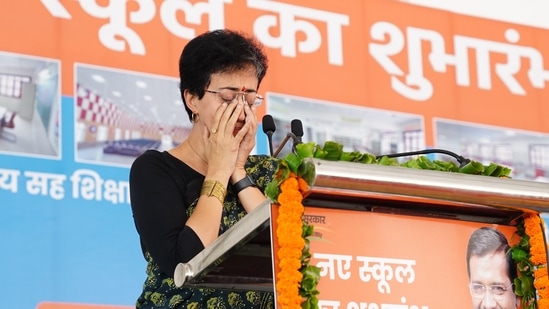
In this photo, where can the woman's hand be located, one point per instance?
(221, 146)
(249, 139)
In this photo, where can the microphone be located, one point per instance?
(297, 130)
(461, 160)
(295, 135)
(269, 128)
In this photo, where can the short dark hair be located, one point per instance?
(216, 52)
(487, 240)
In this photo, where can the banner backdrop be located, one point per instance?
(86, 86)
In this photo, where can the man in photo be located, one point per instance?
(491, 270)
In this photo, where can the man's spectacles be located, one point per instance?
(479, 290)
(228, 96)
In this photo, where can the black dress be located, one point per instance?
(164, 192)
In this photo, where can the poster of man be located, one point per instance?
(491, 270)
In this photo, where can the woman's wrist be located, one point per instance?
(243, 183)
(220, 175)
(238, 175)
(214, 188)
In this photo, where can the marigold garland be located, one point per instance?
(531, 257)
(296, 279)
(288, 232)
(538, 257)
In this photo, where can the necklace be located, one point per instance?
(196, 152)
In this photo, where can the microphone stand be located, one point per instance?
(284, 141)
(270, 141)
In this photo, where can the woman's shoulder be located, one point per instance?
(155, 158)
(150, 155)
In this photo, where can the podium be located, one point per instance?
(242, 258)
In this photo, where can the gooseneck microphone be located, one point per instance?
(269, 129)
(461, 160)
(295, 135)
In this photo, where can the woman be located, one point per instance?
(184, 198)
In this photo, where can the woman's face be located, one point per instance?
(239, 81)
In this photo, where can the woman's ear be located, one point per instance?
(191, 101)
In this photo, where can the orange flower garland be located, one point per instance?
(538, 257)
(289, 230)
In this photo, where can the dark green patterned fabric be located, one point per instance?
(159, 290)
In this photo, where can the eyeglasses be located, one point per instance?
(479, 290)
(226, 95)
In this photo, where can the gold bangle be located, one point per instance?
(214, 188)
